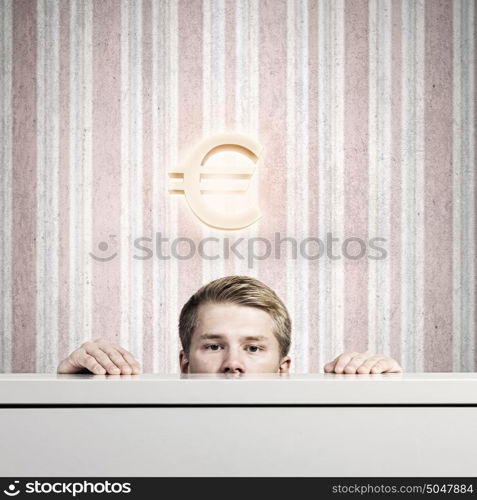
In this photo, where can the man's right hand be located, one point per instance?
(100, 357)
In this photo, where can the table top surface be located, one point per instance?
(20, 389)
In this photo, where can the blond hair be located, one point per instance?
(240, 290)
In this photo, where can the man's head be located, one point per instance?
(234, 324)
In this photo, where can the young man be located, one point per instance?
(234, 325)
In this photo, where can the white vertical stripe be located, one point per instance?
(246, 107)
(242, 72)
(6, 186)
(173, 141)
(325, 346)
(136, 173)
(165, 139)
(291, 166)
(206, 66)
(419, 197)
(463, 161)
(213, 98)
(87, 278)
(297, 172)
(412, 185)
(207, 107)
(47, 185)
(253, 108)
(407, 183)
(372, 167)
(74, 303)
(337, 169)
(125, 252)
(80, 173)
(301, 318)
(53, 160)
(246, 65)
(241, 86)
(380, 153)
(216, 107)
(457, 201)
(331, 164)
(41, 133)
(159, 48)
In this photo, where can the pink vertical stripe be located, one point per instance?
(438, 195)
(475, 167)
(63, 183)
(148, 284)
(313, 186)
(106, 168)
(356, 172)
(190, 133)
(24, 186)
(394, 246)
(273, 137)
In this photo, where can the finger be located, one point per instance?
(82, 359)
(329, 367)
(117, 358)
(358, 360)
(397, 368)
(103, 358)
(133, 362)
(386, 365)
(369, 363)
(343, 360)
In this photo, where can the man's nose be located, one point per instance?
(233, 364)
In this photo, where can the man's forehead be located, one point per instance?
(233, 320)
(232, 312)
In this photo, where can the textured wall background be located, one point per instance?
(366, 113)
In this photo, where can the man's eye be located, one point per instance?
(213, 347)
(253, 348)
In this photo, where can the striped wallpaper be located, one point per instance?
(366, 113)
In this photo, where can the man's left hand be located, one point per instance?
(362, 362)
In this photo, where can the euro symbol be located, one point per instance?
(195, 178)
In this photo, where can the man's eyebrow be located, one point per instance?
(256, 338)
(211, 336)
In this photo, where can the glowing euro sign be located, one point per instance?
(195, 178)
